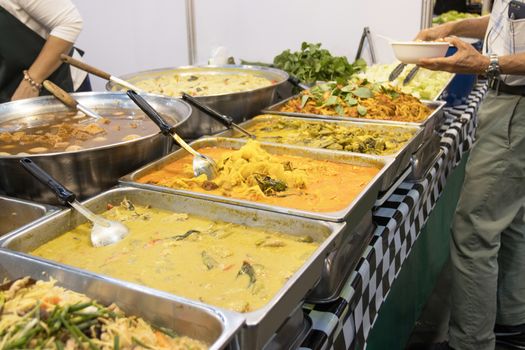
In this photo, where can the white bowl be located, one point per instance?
(412, 51)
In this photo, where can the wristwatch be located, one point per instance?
(494, 69)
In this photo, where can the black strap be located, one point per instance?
(499, 86)
(19, 47)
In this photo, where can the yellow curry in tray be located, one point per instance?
(378, 140)
(223, 264)
(253, 174)
(202, 84)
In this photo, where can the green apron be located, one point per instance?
(19, 47)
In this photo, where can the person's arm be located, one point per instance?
(469, 60)
(471, 28)
(64, 23)
(45, 64)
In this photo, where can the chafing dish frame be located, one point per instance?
(260, 324)
(401, 158)
(185, 317)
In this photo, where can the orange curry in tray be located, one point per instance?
(251, 173)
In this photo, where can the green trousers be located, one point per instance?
(488, 231)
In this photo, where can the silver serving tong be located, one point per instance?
(411, 75)
(396, 71)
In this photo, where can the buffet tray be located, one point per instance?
(237, 105)
(352, 214)
(216, 327)
(425, 157)
(16, 213)
(260, 324)
(401, 159)
(342, 261)
(431, 123)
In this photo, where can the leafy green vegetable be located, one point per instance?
(361, 110)
(363, 92)
(247, 269)
(312, 64)
(304, 99)
(451, 16)
(270, 186)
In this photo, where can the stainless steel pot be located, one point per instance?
(90, 171)
(240, 105)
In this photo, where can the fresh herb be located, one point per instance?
(184, 235)
(312, 64)
(270, 186)
(247, 269)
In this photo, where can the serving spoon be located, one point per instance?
(68, 100)
(104, 231)
(202, 164)
(225, 120)
(98, 72)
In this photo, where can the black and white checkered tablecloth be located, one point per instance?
(346, 322)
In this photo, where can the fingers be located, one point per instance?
(440, 63)
(457, 42)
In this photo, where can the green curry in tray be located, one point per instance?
(377, 140)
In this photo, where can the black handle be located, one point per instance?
(165, 128)
(226, 121)
(62, 193)
(296, 82)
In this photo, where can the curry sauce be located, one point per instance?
(228, 265)
(253, 174)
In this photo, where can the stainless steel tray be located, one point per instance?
(216, 327)
(401, 159)
(292, 332)
(238, 105)
(439, 95)
(432, 122)
(351, 214)
(16, 213)
(86, 172)
(260, 324)
(341, 262)
(424, 158)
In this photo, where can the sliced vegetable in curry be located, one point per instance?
(368, 139)
(251, 173)
(228, 265)
(42, 315)
(359, 98)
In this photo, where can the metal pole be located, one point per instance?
(427, 10)
(190, 29)
(486, 7)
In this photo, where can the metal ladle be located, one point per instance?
(104, 231)
(202, 164)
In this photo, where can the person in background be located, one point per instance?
(488, 230)
(443, 6)
(33, 34)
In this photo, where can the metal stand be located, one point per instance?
(366, 36)
(427, 11)
(190, 29)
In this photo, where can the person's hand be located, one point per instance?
(435, 33)
(24, 90)
(466, 60)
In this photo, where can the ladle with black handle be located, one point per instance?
(202, 164)
(225, 120)
(104, 231)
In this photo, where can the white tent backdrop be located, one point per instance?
(127, 36)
